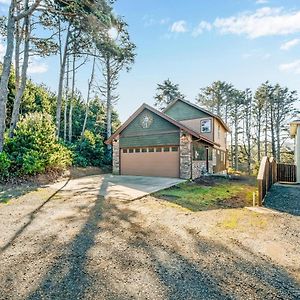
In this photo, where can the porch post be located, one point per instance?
(207, 159)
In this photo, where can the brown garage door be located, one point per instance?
(151, 161)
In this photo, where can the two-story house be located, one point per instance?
(183, 141)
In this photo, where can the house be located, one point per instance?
(295, 133)
(183, 141)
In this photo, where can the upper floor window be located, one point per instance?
(205, 126)
(219, 131)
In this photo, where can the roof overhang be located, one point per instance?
(162, 115)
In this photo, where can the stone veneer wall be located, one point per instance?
(116, 156)
(199, 167)
(185, 155)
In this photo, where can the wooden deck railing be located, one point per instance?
(270, 172)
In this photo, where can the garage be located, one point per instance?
(150, 143)
(160, 161)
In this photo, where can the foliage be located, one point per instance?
(167, 92)
(258, 120)
(5, 164)
(89, 151)
(34, 147)
(217, 97)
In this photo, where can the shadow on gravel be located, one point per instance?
(68, 278)
(31, 217)
(203, 269)
(284, 198)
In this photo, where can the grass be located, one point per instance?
(221, 193)
(243, 220)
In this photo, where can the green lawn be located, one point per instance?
(221, 193)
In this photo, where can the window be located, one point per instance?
(205, 126)
(158, 149)
(166, 149)
(199, 152)
(219, 131)
(144, 149)
(131, 150)
(137, 150)
(124, 150)
(151, 150)
(174, 149)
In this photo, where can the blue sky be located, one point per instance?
(196, 42)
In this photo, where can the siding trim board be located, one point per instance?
(148, 133)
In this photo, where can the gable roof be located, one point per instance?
(200, 109)
(162, 115)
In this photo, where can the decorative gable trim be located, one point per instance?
(162, 115)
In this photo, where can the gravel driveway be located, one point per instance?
(72, 244)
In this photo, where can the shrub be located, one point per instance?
(32, 163)
(5, 163)
(89, 150)
(34, 147)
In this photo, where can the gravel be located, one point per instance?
(285, 198)
(72, 244)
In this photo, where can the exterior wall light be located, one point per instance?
(184, 137)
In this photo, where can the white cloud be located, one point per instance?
(202, 26)
(256, 54)
(293, 67)
(164, 21)
(179, 26)
(265, 21)
(288, 45)
(261, 1)
(37, 67)
(151, 21)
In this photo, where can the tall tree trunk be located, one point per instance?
(21, 89)
(278, 154)
(61, 81)
(278, 126)
(88, 96)
(259, 136)
(248, 120)
(236, 138)
(72, 98)
(6, 71)
(66, 101)
(266, 130)
(17, 52)
(272, 131)
(231, 148)
(108, 102)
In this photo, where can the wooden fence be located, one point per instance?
(286, 173)
(271, 172)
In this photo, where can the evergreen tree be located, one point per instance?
(167, 92)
